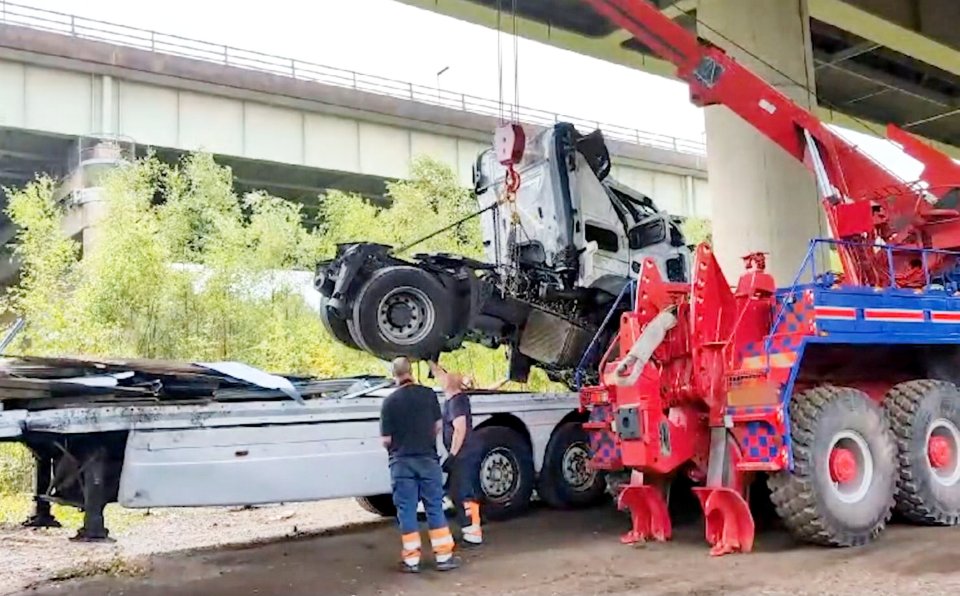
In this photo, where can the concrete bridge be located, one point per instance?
(289, 127)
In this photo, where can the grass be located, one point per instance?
(16, 469)
(16, 508)
(115, 567)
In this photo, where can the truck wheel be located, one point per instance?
(841, 490)
(566, 479)
(505, 472)
(925, 416)
(336, 326)
(378, 505)
(401, 311)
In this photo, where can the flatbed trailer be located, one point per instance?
(272, 451)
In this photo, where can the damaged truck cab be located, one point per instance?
(557, 256)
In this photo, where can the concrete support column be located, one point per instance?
(106, 105)
(84, 213)
(762, 199)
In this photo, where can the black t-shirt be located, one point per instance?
(408, 416)
(453, 408)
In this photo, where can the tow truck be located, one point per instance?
(838, 390)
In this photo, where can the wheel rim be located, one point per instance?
(850, 464)
(575, 467)
(498, 474)
(943, 440)
(405, 316)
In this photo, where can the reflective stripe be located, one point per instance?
(473, 512)
(474, 529)
(443, 557)
(442, 543)
(411, 548)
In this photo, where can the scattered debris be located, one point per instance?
(36, 383)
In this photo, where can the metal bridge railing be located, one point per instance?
(83, 28)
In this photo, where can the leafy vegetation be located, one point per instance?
(697, 230)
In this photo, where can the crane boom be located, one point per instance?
(864, 202)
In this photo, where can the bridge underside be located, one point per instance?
(876, 60)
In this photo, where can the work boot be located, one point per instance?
(404, 568)
(449, 565)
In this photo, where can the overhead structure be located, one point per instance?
(878, 60)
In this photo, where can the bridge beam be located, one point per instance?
(763, 200)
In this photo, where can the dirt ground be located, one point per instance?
(550, 553)
(30, 556)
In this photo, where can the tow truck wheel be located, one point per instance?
(401, 311)
(841, 490)
(566, 480)
(504, 476)
(336, 326)
(378, 505)
(925, 416)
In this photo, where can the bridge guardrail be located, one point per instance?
(83, 28)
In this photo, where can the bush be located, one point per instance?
(16, 469)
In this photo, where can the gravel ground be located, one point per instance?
(549, 553)
(31, 556)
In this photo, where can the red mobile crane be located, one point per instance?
(841, 390)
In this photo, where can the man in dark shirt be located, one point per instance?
(462, 461)
(409, 424)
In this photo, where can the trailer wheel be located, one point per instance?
(841, 490)
(504, 476)
(336, 326)
(566, 479)
(378, 505)
(401, 311)
(925, 416)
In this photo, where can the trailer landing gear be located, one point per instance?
(42, 515)
(93, 481)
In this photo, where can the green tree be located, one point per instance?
(697, 230)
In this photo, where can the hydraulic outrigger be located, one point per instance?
(839, 389)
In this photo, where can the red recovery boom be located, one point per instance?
(864, 202)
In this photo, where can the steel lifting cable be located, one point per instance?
(512, 177)
(435, 233)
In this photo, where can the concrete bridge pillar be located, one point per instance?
(82, 191)
(762, 199)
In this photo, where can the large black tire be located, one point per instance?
(401, 311)
(566, 481)
(812, 506)
(917, 409)
(336, 326)
(505, 474)
(378, 505)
